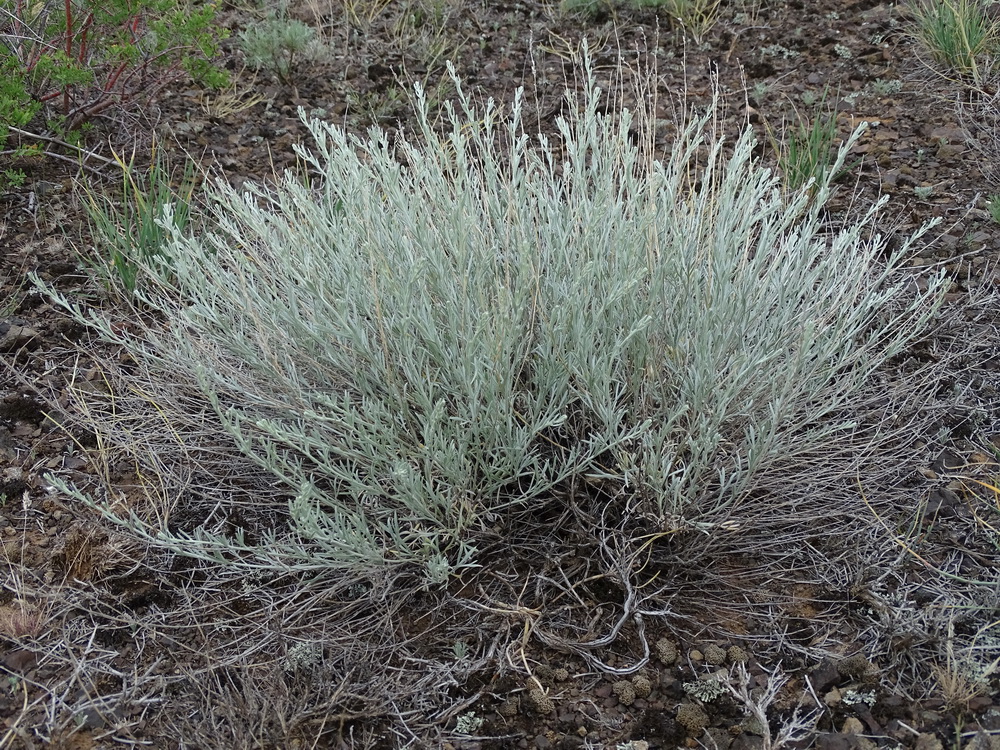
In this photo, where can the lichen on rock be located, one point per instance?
(706, 689)
(855, 666)
(643, 687)
(540, 702)
(667, 651)
(714, 654)
(625, 692)
(736, 655)
(693, 718)
(509, 708)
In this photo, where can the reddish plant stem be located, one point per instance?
(68, 4)
(81, 57)
(120, 80)
(123, 83)
(113, 78)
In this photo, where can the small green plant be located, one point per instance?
(993, 206)
(238, 96)
(778, 50)
(17, 109)
(12, 177)
(8, 306)
(923, 192)
(747, 12)
(883, 87)
(695, 17)
(279, 45)
(432, 14)
(378, 105)
(759, 91)
(128, 231)
(63, 64)
(960, 35)
(809, 149)
(425, 35)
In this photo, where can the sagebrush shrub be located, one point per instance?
(279, 44)
(430, 335)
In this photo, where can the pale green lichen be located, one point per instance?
(777, 50)
(303, 656)
(468, 723)
(854, 697)
(705, 690)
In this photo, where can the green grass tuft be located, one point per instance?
(960, 35)
(128, 230)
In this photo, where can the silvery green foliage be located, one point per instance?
(277, 43)
(436, 332)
